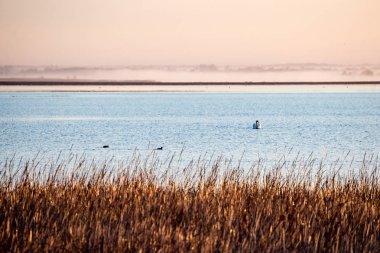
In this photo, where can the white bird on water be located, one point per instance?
(256, 125)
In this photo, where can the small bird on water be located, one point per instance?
(256, 125)
(160, 148)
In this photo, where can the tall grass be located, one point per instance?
(146, 205)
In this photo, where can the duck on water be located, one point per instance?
(256, 125)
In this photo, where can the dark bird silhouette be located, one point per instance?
(160, 148)
(106, 146)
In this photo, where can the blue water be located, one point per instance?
(213, 123)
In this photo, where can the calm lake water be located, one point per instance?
(213, 123)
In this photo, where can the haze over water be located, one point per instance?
(189, 41)
(197, 73)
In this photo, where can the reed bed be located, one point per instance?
(146, 205)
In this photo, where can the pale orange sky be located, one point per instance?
(170, 32)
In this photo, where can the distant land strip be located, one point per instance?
(152, 83)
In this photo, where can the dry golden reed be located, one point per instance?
(145, 206)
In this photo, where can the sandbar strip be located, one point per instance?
(255, 88)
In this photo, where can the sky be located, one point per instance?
(183, 32)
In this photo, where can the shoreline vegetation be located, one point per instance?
(22, 85)
(145, 204)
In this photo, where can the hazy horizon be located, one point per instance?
(197, 73)
(169, 32)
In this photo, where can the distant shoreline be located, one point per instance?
(137, 82)
(14, 85)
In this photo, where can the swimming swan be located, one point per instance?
(256, 125)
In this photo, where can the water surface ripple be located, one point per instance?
(221, 123)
